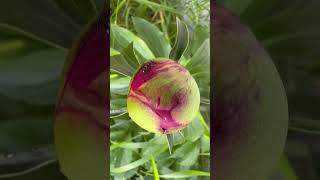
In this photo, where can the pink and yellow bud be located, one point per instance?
(163, 96)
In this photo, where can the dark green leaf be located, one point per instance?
(25, 161)
(24, 132)
(80, 11)
(182, 41)
(40, 20)
(129, 54)
(236, 6)
(119, 64)
(32, 77)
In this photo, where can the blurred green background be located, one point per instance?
(35, 36)
(290, 31)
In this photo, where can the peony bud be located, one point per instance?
(163, 96)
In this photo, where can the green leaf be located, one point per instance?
(194, 130)
(170, 142)
(154, 38)
(32, 77)
(117, 135)
(182, 41)
(121, 38)
(117, 112)
(128, 145)
(19, 163)
(80, 11)
(197, 36)
(12, 46)
(185, 174)
(50, 171)
(40, 20)
(236, 6)
(290, 34)
(22, 133)
(187, 154)
(191, 156)
(286, 169)
(136, 163)
(119, 64)
(118, 107)
(130, 166)
(200, 62)
(205, 144)
(257, 10)
(29, 170)
(303, 130)
(204, 123)
(119, 85)
(129, 54)
(294, 22)
(114, 52)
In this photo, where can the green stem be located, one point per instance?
(302, 130)
(119, 6)
(286, 169)
(11, 175)
(207, 129)
(155, 169)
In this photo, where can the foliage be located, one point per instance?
(135, 152)
(289, 30)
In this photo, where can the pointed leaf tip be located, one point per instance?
(182, 41)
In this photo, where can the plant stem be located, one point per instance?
(11, 175)
(155, 168)
(207, 130)
(302, 130)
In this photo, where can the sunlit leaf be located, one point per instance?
(121, 38)
(154, 38)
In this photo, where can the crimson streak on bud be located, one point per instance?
(163, 96)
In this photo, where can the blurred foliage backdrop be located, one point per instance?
(290, 31)
(35, 36)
